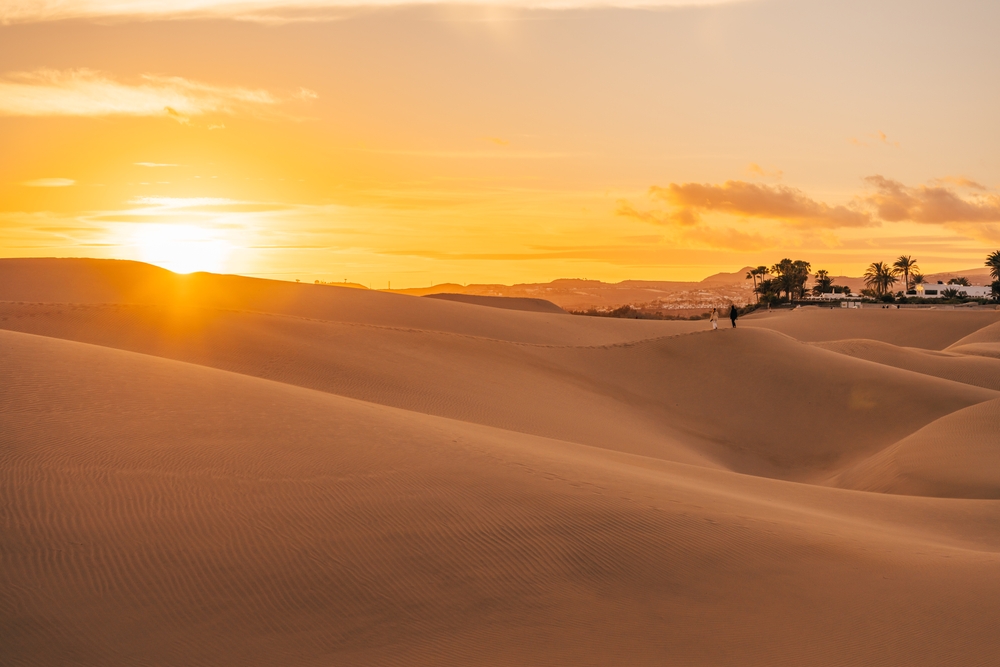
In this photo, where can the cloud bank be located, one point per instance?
(83, 92)
(976, 214)
(936, 204)
(26, 11)
(754, 200)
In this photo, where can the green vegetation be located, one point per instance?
(907, 266)
(785, 281)
(879, 278)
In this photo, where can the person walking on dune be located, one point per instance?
(733, 314)
(714, 319)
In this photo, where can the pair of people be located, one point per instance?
(733, 314)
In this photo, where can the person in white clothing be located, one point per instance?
(714, 319)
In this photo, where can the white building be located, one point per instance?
(931, 291)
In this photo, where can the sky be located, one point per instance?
(500, 141)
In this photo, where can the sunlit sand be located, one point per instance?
(203, 469)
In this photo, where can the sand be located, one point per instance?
(284, 474)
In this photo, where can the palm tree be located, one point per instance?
(824, 283)
(753, 274)
(993, 261)
(802, 269)
(906, 265)
(917, 279)
(880, 277)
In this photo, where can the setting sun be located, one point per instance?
(181, 248)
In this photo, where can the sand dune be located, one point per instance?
(949, 365)
(657, 398)
(988, 350)
(218, 470)
(957, 456)
(164, 513)
(927, 329)
(987, 334)
(984, 342)
(83, 281)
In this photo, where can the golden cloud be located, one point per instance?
(84, 92)
(894, 202)
(49, 183)
(752, 200)
(961, 182)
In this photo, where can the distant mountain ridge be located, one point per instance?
(719, 289)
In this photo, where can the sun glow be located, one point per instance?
(182, 248)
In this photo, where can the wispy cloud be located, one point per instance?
(754, 169)
(961, 182)
(728, 238)
(83, 92)
(474, 154)
(49, 183)
(21, 11)
(878, 137)
(155, 164)
(683, 217)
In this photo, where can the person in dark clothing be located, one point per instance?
(733, 314)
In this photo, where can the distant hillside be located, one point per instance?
(505, 302)
(579, 294)
(977, 276)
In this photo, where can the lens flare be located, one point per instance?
(182, 248)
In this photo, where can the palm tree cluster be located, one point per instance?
(881, 276)
(789, 277)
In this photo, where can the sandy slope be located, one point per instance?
(164, 513)
(658, 398)
(949, 364)
(87, 281)
(927, 329)
(982, 343)
(216, 470)
(956, 456)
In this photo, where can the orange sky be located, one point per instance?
(501, 142)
